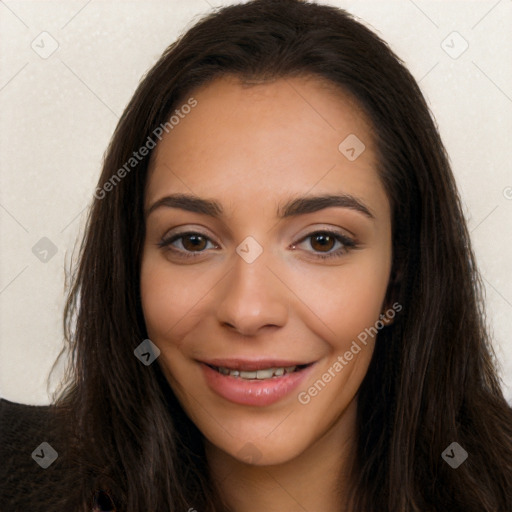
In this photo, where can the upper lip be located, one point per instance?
(253, 364)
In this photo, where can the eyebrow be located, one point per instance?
(293, 207)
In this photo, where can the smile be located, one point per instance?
(267, 373)
(252, 386)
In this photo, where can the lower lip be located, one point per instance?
(253, 392)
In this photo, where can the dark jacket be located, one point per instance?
(30, 471)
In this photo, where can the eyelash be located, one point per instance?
(348, 244)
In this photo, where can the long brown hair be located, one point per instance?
(432, 379)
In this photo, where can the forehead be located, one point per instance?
(266, 140)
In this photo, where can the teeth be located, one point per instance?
(248, 375)
(267, 373)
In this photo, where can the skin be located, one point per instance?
(252, 148)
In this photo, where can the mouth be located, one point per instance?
(254, 383)
(271, 372)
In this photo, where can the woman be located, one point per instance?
(277, 305)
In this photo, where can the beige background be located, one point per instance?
(59, 111)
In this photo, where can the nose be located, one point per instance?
(252, 298)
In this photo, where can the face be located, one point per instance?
(249, 275)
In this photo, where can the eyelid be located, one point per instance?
(327, 228)
(335, 234)
(187, 230)
(166, 240)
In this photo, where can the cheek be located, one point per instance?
(159, 300)
(169, 298)
(349, 299)
(162, 303)
(170, 306)
(350, 306)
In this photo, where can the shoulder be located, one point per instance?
(30, 451)
(34, 466)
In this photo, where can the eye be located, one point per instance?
(324, 241)
(191, 242)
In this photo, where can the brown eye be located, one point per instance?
(187, 244)
(322, 242)
(192, 242)
(326, 244)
